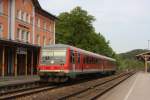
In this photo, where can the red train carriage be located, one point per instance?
(60, 62)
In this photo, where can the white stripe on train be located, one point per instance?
(85, 70)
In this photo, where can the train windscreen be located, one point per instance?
(53, 57)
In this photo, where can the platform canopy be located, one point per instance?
(144, 57)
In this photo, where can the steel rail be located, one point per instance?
(75, 95)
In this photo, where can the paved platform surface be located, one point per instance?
(136, 87)
(17, 80)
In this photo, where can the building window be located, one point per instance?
(23, 36)
(44, 41)
(38, 39)
(38, 22)
(1, 7)
(51, 41)
(18, 34)
(31, 20)
(28, 36)
(1, 30)
(24, 16)
(19, 14)
(28, 18)
(50, 28)
(23, 1)
(44, 25)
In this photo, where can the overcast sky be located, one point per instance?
(125, 23)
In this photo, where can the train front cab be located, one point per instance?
(54, 64)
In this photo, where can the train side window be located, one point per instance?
(72, 60)
(78, 57)
(90, 60)
(95, 61)
(84, 60)
(71, 56)
(98, 61)
(87, 59)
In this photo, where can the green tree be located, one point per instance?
(76, 28)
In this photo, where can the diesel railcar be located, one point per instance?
(61, 62)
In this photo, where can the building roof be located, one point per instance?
(41, 11)
(14, 43)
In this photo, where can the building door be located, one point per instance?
(1, 57)
(21, 64)
(10, 62)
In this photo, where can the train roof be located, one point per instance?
(81, 50)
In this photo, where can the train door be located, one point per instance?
(72, 58)
(73, 63)
(78, 62)
(82, 60)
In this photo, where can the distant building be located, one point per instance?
(24, 28)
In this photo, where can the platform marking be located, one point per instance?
(131, 89)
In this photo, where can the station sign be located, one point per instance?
(21, 50)
(23, 26)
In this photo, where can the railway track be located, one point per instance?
(88, 90)
(96, 90)
(25, 92)
(23, 89)
(10, 91)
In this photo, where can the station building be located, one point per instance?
(24, 28)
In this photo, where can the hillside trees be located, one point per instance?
(128, 60)
(76, 28)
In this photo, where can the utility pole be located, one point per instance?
(148, 44)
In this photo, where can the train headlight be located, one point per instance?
(52, 61)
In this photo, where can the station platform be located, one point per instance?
(136, 87)
(17, 80)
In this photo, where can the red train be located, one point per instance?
(60, 62)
